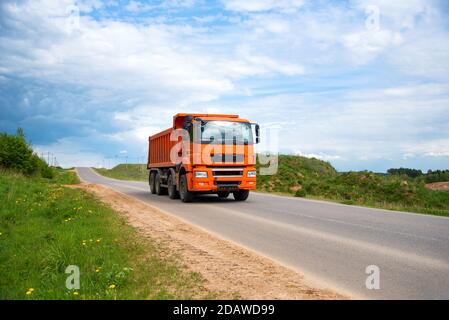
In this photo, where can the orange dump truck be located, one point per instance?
(203, 153)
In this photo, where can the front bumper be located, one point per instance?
(216, 183)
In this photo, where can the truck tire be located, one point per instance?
(223, 194)
(152, 182)
(172, 192)
(159, 189)
(184, 193)
(241, 195)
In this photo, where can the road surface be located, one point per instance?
(332, 244)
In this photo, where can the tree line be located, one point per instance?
(429, 177)
(16, 154)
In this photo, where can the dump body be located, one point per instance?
(203, 153)
(159, 149)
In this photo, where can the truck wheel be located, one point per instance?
(184, 193)
(172, 192)
(223, 194)
(159, 189)
(241, 195)
(152, 183)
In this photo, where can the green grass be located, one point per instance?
(136, 172)
(45, 227)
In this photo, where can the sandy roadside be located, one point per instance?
(226, 267)
(438, 186)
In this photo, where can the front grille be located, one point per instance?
(227, 172)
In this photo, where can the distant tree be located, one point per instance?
(412, 173)
(437, 176)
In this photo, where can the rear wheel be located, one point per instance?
(241, 195)
(223, 194)
(172, 192)
(184, 193)
(152, 183)
(159, 189)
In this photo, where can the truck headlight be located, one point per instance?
(251, 174)
(200, 174)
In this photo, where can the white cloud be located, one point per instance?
(162, 62)
(321, 156)
(366, 45)
(401, 13)
(433, 148)
(137, 6)
(356, 125)
(263, 5)
(69, 153)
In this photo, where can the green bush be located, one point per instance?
(16, 154)
(47, 172)
(301, 193)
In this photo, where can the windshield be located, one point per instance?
(226, 132)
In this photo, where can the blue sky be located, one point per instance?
(362, 84)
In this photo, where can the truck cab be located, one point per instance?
(204, 153)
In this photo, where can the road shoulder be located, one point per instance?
(233, 271)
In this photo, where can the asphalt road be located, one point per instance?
(332, 244)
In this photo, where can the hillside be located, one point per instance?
(313, 178)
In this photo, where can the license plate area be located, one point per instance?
(227, 185)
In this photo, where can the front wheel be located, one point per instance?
(184, 193)
(241, 195)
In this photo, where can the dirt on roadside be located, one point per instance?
(226, 267)
(438, 186)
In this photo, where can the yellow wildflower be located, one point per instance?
(112, 286)
(75, 293)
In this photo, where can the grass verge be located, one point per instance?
(45, 227)
(137, 172)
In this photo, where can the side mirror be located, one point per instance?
(257, 133)
(187, 122)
